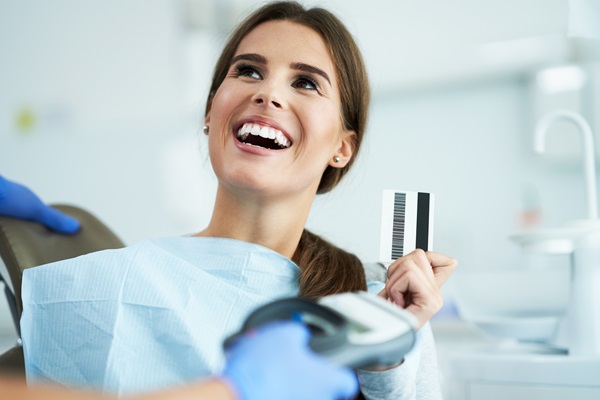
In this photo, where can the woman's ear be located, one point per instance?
(207, 123)
(345, 151)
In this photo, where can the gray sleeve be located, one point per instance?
(395, 383)
(417, 378)
(428, 380)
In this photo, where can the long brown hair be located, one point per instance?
(326, 269)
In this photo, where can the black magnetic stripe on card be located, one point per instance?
(422, 237)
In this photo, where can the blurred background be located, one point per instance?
(101, 105)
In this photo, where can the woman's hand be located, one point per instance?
(414, 282)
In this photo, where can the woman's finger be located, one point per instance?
(417, 257)
(408, 269)
(442, 266)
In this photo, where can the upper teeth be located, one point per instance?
(263, 131)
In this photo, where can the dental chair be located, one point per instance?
(25, 244)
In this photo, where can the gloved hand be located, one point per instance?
(18, 201)
(274, 363)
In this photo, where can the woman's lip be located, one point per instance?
(257, 119)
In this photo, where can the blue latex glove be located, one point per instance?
(18, 201)
(275, 362)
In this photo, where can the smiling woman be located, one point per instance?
(285, 117)
(344, 61)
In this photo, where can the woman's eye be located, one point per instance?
(306, 83)
(247, 70)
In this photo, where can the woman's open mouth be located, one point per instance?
(262, 136)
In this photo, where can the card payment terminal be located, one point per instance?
(353, 329)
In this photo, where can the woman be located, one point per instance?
(285, 118)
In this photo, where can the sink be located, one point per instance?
(521, 304)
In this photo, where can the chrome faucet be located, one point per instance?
(589, 162)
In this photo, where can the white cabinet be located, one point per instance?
(501, 375)
(490, 391)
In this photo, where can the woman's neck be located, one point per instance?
(273, 223)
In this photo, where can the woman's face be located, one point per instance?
(275, 122)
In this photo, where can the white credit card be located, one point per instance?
(406, 224)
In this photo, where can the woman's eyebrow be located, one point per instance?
(309, 68)
(249, 57)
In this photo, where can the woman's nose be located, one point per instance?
(268, 96)
(261, 100)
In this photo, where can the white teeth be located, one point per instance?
(265, 132)
(279, 138)
(244, 132)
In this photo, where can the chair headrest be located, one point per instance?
(25, 244)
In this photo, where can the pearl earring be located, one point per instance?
(205, 129)
(336, 159)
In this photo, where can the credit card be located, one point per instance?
(406, 223)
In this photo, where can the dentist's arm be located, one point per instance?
(273, 362)
(18, 201)
(17, 389)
